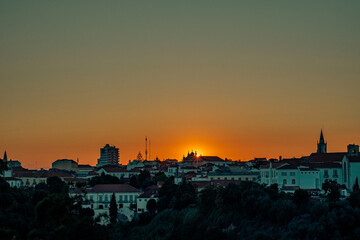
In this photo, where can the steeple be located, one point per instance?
(321, 145)
(321, 137)
(5, 157)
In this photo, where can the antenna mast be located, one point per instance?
(146, 151)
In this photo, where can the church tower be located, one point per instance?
(5, 157)
(321, 145)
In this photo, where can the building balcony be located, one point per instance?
(326, 176)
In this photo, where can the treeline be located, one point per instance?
(250, 211)
(244, 211)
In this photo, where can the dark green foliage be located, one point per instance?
(134, 182)
(301, 197)
(185, 195)
(356, 185)
(113, 210)
(3, 166)
(160, 176)
(244, 211)
(332, 190)
(151, 205)
(104, 179)
(144, 179)
(56, 185)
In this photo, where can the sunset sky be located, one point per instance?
(236, 79)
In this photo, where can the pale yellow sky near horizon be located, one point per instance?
(236, 79)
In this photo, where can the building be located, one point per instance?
(65, 164)
(108, 155)
(194, 159)
(149, 193)
(311, 172)
(98, 198)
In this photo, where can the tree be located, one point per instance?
(144, 179)
(332, 190)
(56, 185)
(301, 197)
(113, 210)
(134, 182)
(104, 179)
(160, 176)
(356, 185)
(3, 166)
(151, 205)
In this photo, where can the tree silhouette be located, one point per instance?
(113, 209)
(151, 205)
(332, 190)
(356, 185)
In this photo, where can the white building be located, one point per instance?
(311, 172)
(150, 192)
(98, 198)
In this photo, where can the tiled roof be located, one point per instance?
(308, 169)
(224, 183)
(42, 174)
(188, 175)
(211, 159)
(325, 165)
(114, 188)
(326, 157)
(151, 191)
(114, 168)
(354, 158)
(290, 166)
(274, 165)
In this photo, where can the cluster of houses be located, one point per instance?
(308, 172)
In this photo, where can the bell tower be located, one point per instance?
(321, 144)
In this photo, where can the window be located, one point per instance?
(125, 198)
(225, 178)
(293, 181)
(120, 198)
(292, 174)
(335, 175)
(247, 179)
(283, 174)
(100, 198)
(101, 206)
(326, 173)
(121, 205)
(131, 198)
(284, 182)
(106, 198)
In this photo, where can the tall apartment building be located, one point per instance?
(108, 155)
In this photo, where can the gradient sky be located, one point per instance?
(237, 79)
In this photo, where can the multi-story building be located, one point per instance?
(311, 172)
(98, 198)
(108, 155)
